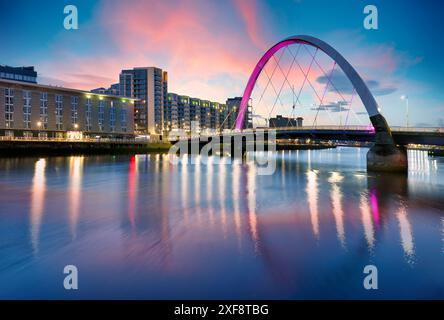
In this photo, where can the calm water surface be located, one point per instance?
(141, 227)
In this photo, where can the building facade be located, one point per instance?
(207, 115)
(150, 86)
(233, 105)
(24, 74)
(33, 110)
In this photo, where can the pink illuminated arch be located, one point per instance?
(361, 88)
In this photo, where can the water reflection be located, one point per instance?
(336, 201)
(75, 181)
(442, 233)
(251, 198)
(184, 190)
(405, 230)
(197, 187)
(209, 182)
(367, 221)
(236, 180)
(37, 202)
(132, 191)
(222, 197)
(375, 207)
(312, 195)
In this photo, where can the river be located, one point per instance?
(141, 227)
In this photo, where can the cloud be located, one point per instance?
(209, 48)
(249, 11)
(337, 106)
(190, 39)
(340, 82)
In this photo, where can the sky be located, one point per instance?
(210, 47)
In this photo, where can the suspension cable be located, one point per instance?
(342, 97)
(350, 107)
(286, 79)
(323, 95)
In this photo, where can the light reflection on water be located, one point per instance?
(141, 227)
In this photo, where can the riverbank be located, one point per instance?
(290, 146)
(57, 148)
(60, 148)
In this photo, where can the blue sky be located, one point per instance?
(404, 56)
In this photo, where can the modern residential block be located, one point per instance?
(34, 110)
(150, 86)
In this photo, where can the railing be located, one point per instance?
(368, 128)
(413, 130)
(89, 140)
(326, 127)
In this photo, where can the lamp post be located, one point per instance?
(406, 98)
(39, 126)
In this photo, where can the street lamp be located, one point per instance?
(76, 126)
(39, 125)
(406, 98)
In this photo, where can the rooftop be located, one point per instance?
(44, 86)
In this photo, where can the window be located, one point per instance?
(9, 108)
(43, 124)
(123, 123)
(74, 104)
(101, 112)
(59, 111)
(88, 114)
(27, 109)
(112, 117)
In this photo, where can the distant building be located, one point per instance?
(150, 86)
(34, 110)
(182, 110)
(279, 121)
(299, 121)
(114, 90)
(23, 74)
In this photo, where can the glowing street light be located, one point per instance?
(76, 126)
(39, 124)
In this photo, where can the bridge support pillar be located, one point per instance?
(385, 155)
(387, 158)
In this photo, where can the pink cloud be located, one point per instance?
(190, 39)
(249, 11)
(209, 48)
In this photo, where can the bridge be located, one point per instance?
(388, 152)
(402, 135)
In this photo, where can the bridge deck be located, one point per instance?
(401, 135)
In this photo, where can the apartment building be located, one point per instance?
(34, 110)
